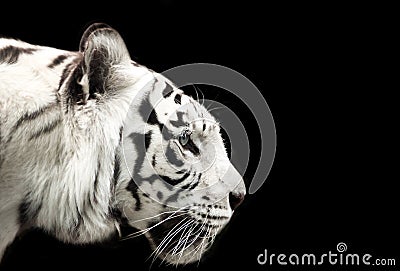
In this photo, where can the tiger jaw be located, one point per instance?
(183, 238)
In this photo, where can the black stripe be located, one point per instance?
(10, 54)
(204, 126)
(47, 129)
(96, 182)
(30, 116)
(117, 215)
(65, 74)
(174, 181)
(147, 112)
(120, 134)
(57, 61)
(117, 170)
(160, 195)
(72, 67)
(186, 186)
(167, 91)
(180, 122)
(172, 157)
(71, 75)
(132, 187)
(138, 142)
(149, 115)
(153, 161)
(146, 195)
(178, 98)
(192, 147)
(147, 140)
(196, 183)
(24, 212)
(153, 119)
(28, 210)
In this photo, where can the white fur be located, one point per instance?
(58, 165)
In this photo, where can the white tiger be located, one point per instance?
(91, 139)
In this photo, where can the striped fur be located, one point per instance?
(89, 139)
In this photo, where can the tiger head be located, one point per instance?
(184, 187)
(175, 183)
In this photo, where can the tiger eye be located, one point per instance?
(183, 138)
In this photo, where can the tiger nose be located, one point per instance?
(235, 199)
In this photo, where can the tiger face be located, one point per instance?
(183, 187)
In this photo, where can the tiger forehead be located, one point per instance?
(181, 110)
(191, 114)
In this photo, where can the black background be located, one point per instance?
(325, 72)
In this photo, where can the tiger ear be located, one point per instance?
(103, 51)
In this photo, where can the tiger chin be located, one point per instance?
(91, 140)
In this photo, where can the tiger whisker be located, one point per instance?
(202, 245)
(215, 234)
(197, 237)
(185, 246)
(151, 217)
(196, 249)
(144, 231)
(216, 108)
(202, 94)
(186, 237)
(197, 93)
(164, 244)
(141, 232)
(183, 236)
(172, 253)
(159, 249)
(169, 236)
